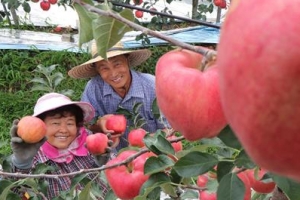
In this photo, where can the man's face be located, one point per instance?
(115, 71)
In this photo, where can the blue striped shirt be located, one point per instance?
(106, 101)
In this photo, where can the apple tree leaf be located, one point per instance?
(195, 163)
(228, 138)
(77, 179)
(189, 194)
(169, 189)
(85, 193)
(85, 24)
(243, 160)
(108, 31)
(224, 168)
(231, 187)
(155, 109)
(290, 187)
(154, 181)
(157, 164)
(158, 144)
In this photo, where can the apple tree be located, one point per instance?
(234, 144)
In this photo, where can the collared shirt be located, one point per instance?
(106, 101)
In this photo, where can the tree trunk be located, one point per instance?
(194, 9)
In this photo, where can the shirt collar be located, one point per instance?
(135, 90)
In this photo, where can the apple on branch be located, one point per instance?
(126, 180)
(188, 97)
(136, 136)
(260, 82)
(97, 143)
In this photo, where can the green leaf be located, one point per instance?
(243, 160)
(231, 188)
(136, 108)
(85, 193)
(194, 164)
(158, 144)
(77, 179)
(169, 189)
(155, 109)
(290, 187)
(154, 181)
(108, 31)
(228, 138)
(4, 184)
(189, 194)
(224, 168)
(85, 24)
(157, 164)
(39, 81)
(26, 7)
(42, 168)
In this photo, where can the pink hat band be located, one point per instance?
(51, 101)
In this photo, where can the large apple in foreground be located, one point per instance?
(188, 97)
(126, 181)
(260, 82)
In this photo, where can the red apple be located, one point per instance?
(57, 29)
(188, 97)
(52, 1)
(126, 181)
(139, 14)
(244, 178)
(177, 146)
(117, 123)
(257, 184)
(45, 5)
(205, 195)
(223, 4)
(97, 143)
(260, 82)
(136, 136)
(202, 180)
(31, 129)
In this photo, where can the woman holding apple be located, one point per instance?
(62, 148)
(115, 84)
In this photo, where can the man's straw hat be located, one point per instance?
(87, 69)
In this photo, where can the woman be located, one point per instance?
(64, 149)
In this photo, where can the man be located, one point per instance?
(115, 84)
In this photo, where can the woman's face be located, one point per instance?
(115, 71)
(61, 130)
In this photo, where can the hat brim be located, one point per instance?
(87, 69)
(88, 110)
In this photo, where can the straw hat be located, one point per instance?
(51, 101)
(87, 70)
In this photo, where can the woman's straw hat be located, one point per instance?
(87, 69)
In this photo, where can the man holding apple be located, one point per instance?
(114, 84)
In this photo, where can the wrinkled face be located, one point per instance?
(61, 130)
(115, 71)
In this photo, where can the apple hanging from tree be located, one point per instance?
(52, 1)
(97, 143)
(177, 146)
(136, 136)
(188, 97)
(45, 5)
(257, 184)
(202, 180)
(260, 82)
(126, 181)
(139, 14)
